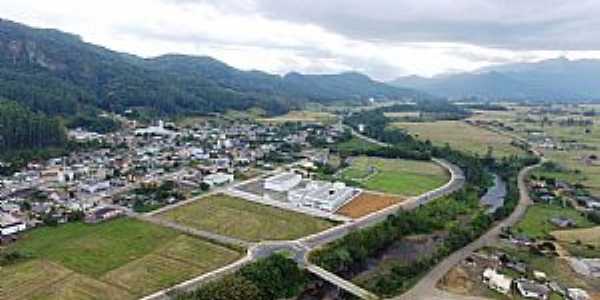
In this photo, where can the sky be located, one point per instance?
(382, 38)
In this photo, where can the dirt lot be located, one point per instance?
(367, 203)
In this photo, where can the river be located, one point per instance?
(494, 197)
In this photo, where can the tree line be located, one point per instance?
(274, 277)
(21, 129)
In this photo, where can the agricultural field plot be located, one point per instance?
(367, 203)
(580, 242)
(120, 259)
(395, 176)
(245, 220)
(303, 117)
(536, 223)
(462, 136)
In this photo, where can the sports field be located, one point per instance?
(245, 220)
(120, 259)
(395, 176)
(462, 136)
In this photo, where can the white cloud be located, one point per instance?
(241, 35)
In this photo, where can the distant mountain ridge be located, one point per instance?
(553, 79)
(58, 73)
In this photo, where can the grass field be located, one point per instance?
(536, 223)
(367, 203)
(120, 259)
(355, 144)
(302, 116)
(395, 176)
(462, 136)
(244, 219)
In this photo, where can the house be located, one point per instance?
(102, 214)
(10, 225)
(577, 294)
(496, 281)
(531, 289)
(94, 187)
(562, 222)
(218, 179)
(283, 182)
(521, 240)
(589, 267)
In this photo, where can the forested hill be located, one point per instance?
(22, 129)
(58, 73)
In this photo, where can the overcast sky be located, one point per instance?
(383, 38)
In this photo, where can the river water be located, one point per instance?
(494, 197)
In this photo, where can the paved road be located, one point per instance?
(426, 287)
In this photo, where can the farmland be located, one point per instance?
(395, 176)
(121, 259)
(303, 117)
(367, 203)
(536, 223)
(245, 220)
(462, 136)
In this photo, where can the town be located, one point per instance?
(142, 168)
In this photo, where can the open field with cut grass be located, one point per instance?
(395, 176)
(245, 220)
(302, 116)
(462, 136)
(536, 223)
(367, 203)
(120, 259)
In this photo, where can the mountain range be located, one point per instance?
(60, 74)
(557, 79)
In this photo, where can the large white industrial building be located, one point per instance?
(322, 195)
(283, 182)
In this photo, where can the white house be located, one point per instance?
(577, 294)
(10, 225)
(218, 179)
(283, 182)
(532, 289)
(496, 281)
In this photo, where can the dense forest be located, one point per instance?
(58, 73)
(21, 129)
